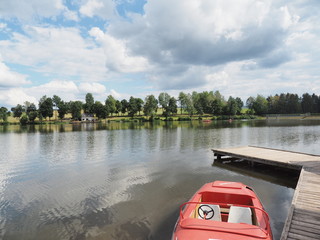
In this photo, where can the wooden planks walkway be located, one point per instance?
(303, 221)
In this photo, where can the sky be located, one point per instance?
(136, 48)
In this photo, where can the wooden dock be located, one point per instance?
(303, 221)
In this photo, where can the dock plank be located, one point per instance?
(304, 214)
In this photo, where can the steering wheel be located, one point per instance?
(205, 212)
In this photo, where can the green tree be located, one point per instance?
(56, 101)
(164, 99)
(110, 104)
(63, 109)
(132, 107)
(124, 106)
(205, 100)
(172, 107)
(189, 104)
(75, 109)
(250, 101)
(197, 103)
(294, 105)
(118, 107)
(31, 107)
(231, 107)
(183, 101)
(139, 103)
(88, 106)
(46, 107)
(150, 106)
(186, 103)
(273, 104)
(4, 114)
(239, 105)
(260, 105)
(32, 116)
(31, 111)
(24, 119)
(100, 110)
(306, 103)
(315, 100)
(17, 111)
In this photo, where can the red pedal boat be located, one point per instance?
(223, 211)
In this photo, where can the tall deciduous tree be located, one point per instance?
(197, 103)
(30, 107)
(46, 107)
(88, 106)
(239, 105)
(258, 105)
(100, 110)
(183, 101)
(110, 104)
(150, 106)
(164, 99)
(32, 116)
(17, 111)
(124, 106)
(75, 109)
(132, 107)
(4, 114)
(56, 101)
(63, 109)
(139, 103)
(172, 107)
(231, 107)
(118, 107)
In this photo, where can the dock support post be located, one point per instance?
(218, 157)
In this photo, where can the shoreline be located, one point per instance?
(169, 119)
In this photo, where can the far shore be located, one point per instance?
(178, 117)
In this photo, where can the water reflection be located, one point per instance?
(127, 180)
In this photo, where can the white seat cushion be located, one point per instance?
(240, 215)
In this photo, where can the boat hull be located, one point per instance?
(223, 210)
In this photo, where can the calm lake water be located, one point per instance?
(127, 180)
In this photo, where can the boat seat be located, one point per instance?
(240, 215)
(213, 211)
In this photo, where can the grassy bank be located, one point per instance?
(159, 117)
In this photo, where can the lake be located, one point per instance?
(127, 180)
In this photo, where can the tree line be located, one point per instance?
(284, 104)
(212, 103)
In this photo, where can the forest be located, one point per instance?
(188, 104)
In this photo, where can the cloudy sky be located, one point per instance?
(138, 47)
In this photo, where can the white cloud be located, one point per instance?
(67, 90)
(62, 51)
(9, 78)
(179, 49)
(217, 79)
(71, 15)
(89, 8)
(117, 54)
(102, 8)
(56, 87)
(31, 9)
(92, 88)
(3, 26)
(12, 97)
(116, 95)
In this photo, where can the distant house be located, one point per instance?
(86, 117)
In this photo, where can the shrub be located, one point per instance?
(184, 119)
(24, 120)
